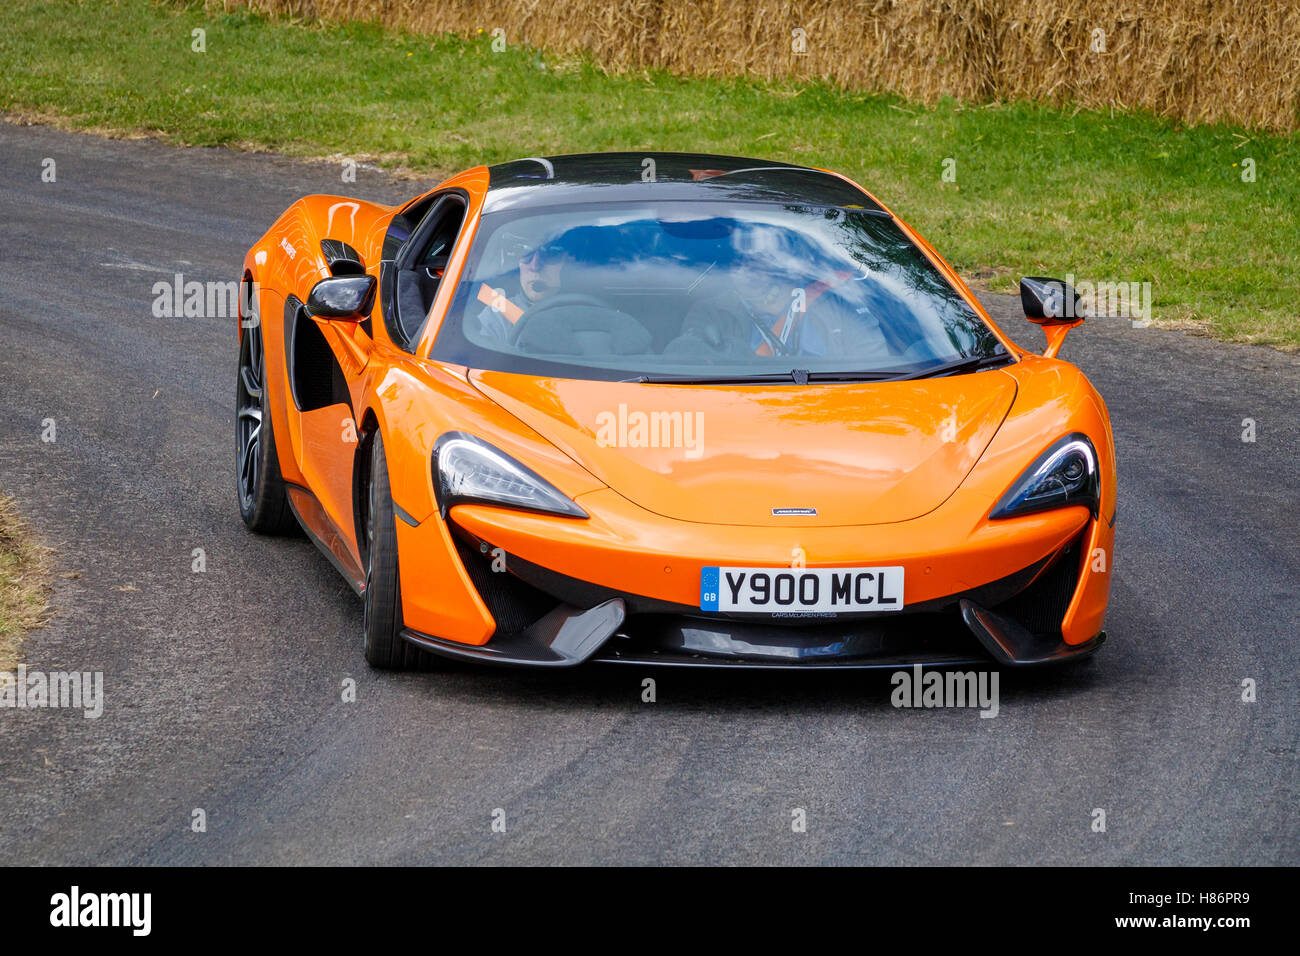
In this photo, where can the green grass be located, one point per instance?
(24, 583)
(1038, 190)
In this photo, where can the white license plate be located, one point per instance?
(815, 590)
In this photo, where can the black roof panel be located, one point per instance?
(588, 177)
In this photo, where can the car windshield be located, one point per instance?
(709, 290)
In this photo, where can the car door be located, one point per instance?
(410, 281)
(323, 372)
(329, 359)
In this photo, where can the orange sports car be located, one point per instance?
(671, 408)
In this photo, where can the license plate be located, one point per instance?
(811, 590)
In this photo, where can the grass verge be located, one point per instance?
(24, 583)
(1108, 198)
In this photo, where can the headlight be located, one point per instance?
(1065, 474)
(466, 469)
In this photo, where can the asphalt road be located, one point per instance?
(223, 688)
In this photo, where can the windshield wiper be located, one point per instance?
(952, 368)
(802, 376)
(796, 376)
(859, 375)
(739, 378)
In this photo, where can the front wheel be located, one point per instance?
(385, 647)
(263, 500)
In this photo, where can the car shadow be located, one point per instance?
(600, 686)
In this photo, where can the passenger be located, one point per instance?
(762, 311)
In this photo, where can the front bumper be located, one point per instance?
(602, 634)
(545, 619)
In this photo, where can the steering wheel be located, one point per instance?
(565, 300)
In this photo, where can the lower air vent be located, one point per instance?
(1041, 607)
(514, 605)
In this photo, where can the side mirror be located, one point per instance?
(1049, 300)
(342, 298)
(1053, 305)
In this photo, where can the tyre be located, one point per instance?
(263, 500)
(385, 648)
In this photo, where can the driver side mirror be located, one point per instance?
(342, 298)
(1053, 305)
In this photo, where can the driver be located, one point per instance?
(539, 270)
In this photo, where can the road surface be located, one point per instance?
(223, 689)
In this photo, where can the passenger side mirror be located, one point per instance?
(342, 298)
(1053, 305)
(1049, 300)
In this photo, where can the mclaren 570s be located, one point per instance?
(669, 408)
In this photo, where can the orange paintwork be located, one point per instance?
(864, 454)
(902, 473)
